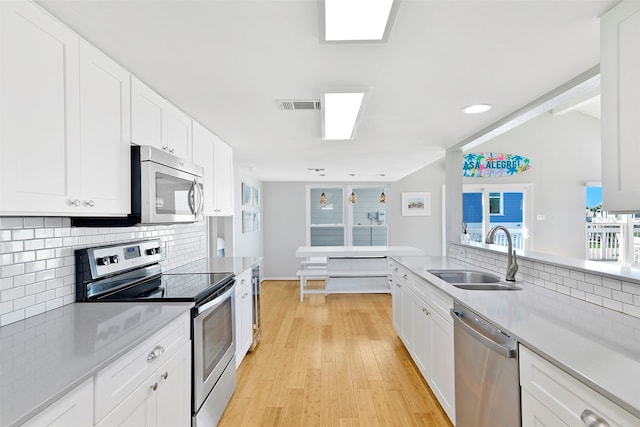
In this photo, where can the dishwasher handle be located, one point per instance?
(506, 352)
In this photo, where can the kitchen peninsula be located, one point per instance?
(350, 269)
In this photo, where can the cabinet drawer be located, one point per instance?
(564, 396)
(422, 289)
(243, 279)
(124, 376)
(442, 303)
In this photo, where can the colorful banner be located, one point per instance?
(493, 164)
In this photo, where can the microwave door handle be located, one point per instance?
(190, 196)
(201, 199)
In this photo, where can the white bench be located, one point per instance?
(325, 274)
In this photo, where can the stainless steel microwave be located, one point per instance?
(165, 189)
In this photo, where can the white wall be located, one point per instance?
(248, 243)
(284, 227)
(423, 232)
(565, 154)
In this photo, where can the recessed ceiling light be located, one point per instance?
(339, 114)
(477, 108)
(356, 19)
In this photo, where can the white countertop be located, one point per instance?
(44, 357)
(235, 265)
(597, 346)
(357, 251)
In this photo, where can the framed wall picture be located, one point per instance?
(247, 221)
(256, 221)
(246, 194)
(256, 196)
(416, 204)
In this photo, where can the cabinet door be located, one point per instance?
(146, 115)
(74, 409)
(177, 132)
(223, 178)
(396, 305)
(421, 316)
(407, 318)
(174, 390)
(620, 101)
(442, 375)
(39, 112)
(203, 146)
(138, 409)
(104, 131)
(535, 414)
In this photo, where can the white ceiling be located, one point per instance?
(226, 63)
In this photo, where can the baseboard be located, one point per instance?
(297, 279)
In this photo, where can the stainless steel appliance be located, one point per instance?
(486, 370)
(131, 272)
(165, 189)
(256, 284)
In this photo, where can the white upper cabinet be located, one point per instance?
(620, 89)
(156, 122)
(146, 115)
(223, 178)
(203, 142)
(40, 134)
(216, 158)
(65, 121)
(104, 132)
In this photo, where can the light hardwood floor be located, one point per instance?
(329, 361)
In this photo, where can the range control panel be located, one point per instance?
(112, 259)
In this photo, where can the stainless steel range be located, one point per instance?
(131, 272)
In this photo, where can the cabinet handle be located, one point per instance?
(426, 311)
(165, 148)
(154, 387)
(90, 203)
(591, 419)
(75, 202)
(165, 375)
(404, 276)
(157, 352)
(242, 281)
(171, 150)
(395, 269)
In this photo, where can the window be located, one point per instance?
(496, 203)
(326, 226)
(337, 222)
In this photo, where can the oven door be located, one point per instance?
(213, 343)
(169, 195)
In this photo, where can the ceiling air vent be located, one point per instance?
(298, 104)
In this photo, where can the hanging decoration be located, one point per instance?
(383, 197)
(494, 164)
(323, 199)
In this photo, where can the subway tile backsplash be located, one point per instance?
(37, 264)
(615, 294)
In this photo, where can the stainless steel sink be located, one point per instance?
(474, 280)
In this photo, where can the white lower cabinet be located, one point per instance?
(244, 315)
(74, 409)
(551, 397)
(151, 384)
(421, 318)
(162, 399)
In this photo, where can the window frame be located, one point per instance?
(347, 213)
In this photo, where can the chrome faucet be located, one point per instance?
(512, 265)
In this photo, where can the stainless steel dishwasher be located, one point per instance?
(486, 371)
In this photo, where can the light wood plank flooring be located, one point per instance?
(329, 361)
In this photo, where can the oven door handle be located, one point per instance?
(215, 301)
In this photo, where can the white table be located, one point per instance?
(351, 269)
